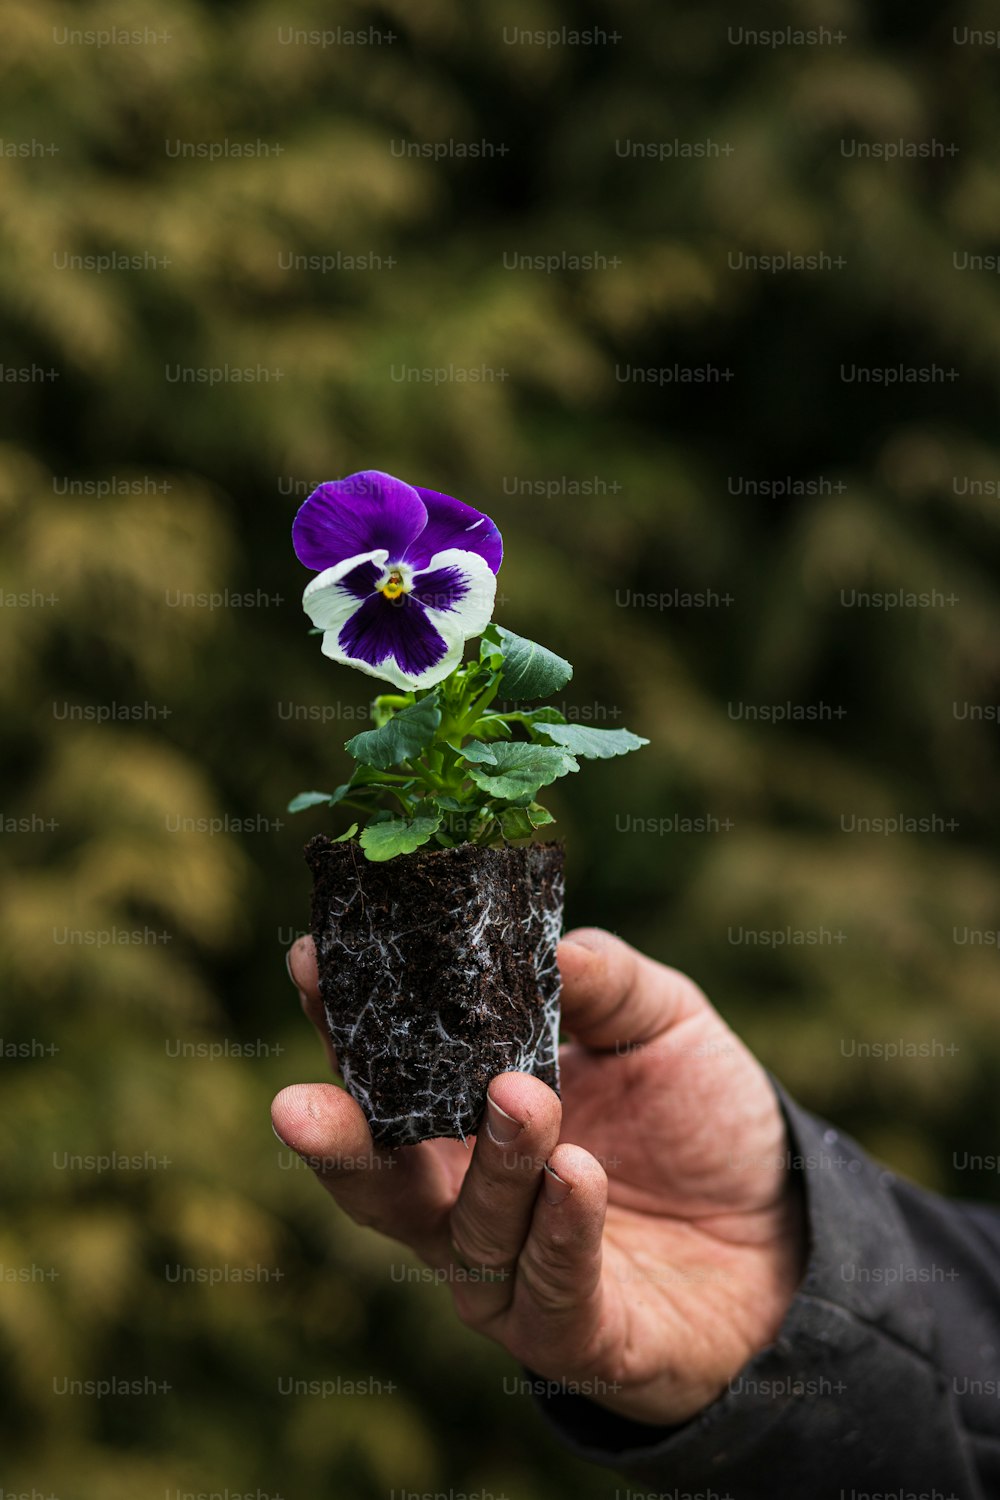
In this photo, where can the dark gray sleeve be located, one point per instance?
(884, 1379)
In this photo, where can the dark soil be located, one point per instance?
(437, 971)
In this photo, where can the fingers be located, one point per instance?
(493, 1211)
(402, 1193)
(613, 995)
(302, 971)
(526, 1227)
(558, 1319)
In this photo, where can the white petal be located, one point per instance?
(470, 615)
(326, 602)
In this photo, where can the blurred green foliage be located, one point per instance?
(605, 488)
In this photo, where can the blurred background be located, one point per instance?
(247, 248)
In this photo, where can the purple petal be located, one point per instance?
(452, 523)
(361, 513)
(399, 628)
(441, 589)
(361, 581)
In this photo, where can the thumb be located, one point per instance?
(613, 994)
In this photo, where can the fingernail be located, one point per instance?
(556, 1189)
(281, 1138)
(501, 1127)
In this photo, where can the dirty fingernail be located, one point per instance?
(501, 1127)
(557, 1190)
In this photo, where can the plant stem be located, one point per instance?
(481, 703)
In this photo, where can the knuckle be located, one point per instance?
(475, 1248)
(688, 996)
(551, 1282)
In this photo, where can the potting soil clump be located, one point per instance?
(437, 972)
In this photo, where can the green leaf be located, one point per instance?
(539, 816)
(368, 778)
(342, 839)
(313, 799)
(403, 736)
(521, 822)
(365, 782)
(516, 770)
(490, 654)
(394, 836)
(515, 823)
(491, 727)
(533, 716)
(476, 751)
(529, 670)
(593, 744)
(362, 793)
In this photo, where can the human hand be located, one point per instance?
(644, 1236)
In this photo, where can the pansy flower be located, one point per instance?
(406, 576)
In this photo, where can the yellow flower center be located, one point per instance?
(394, 585)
